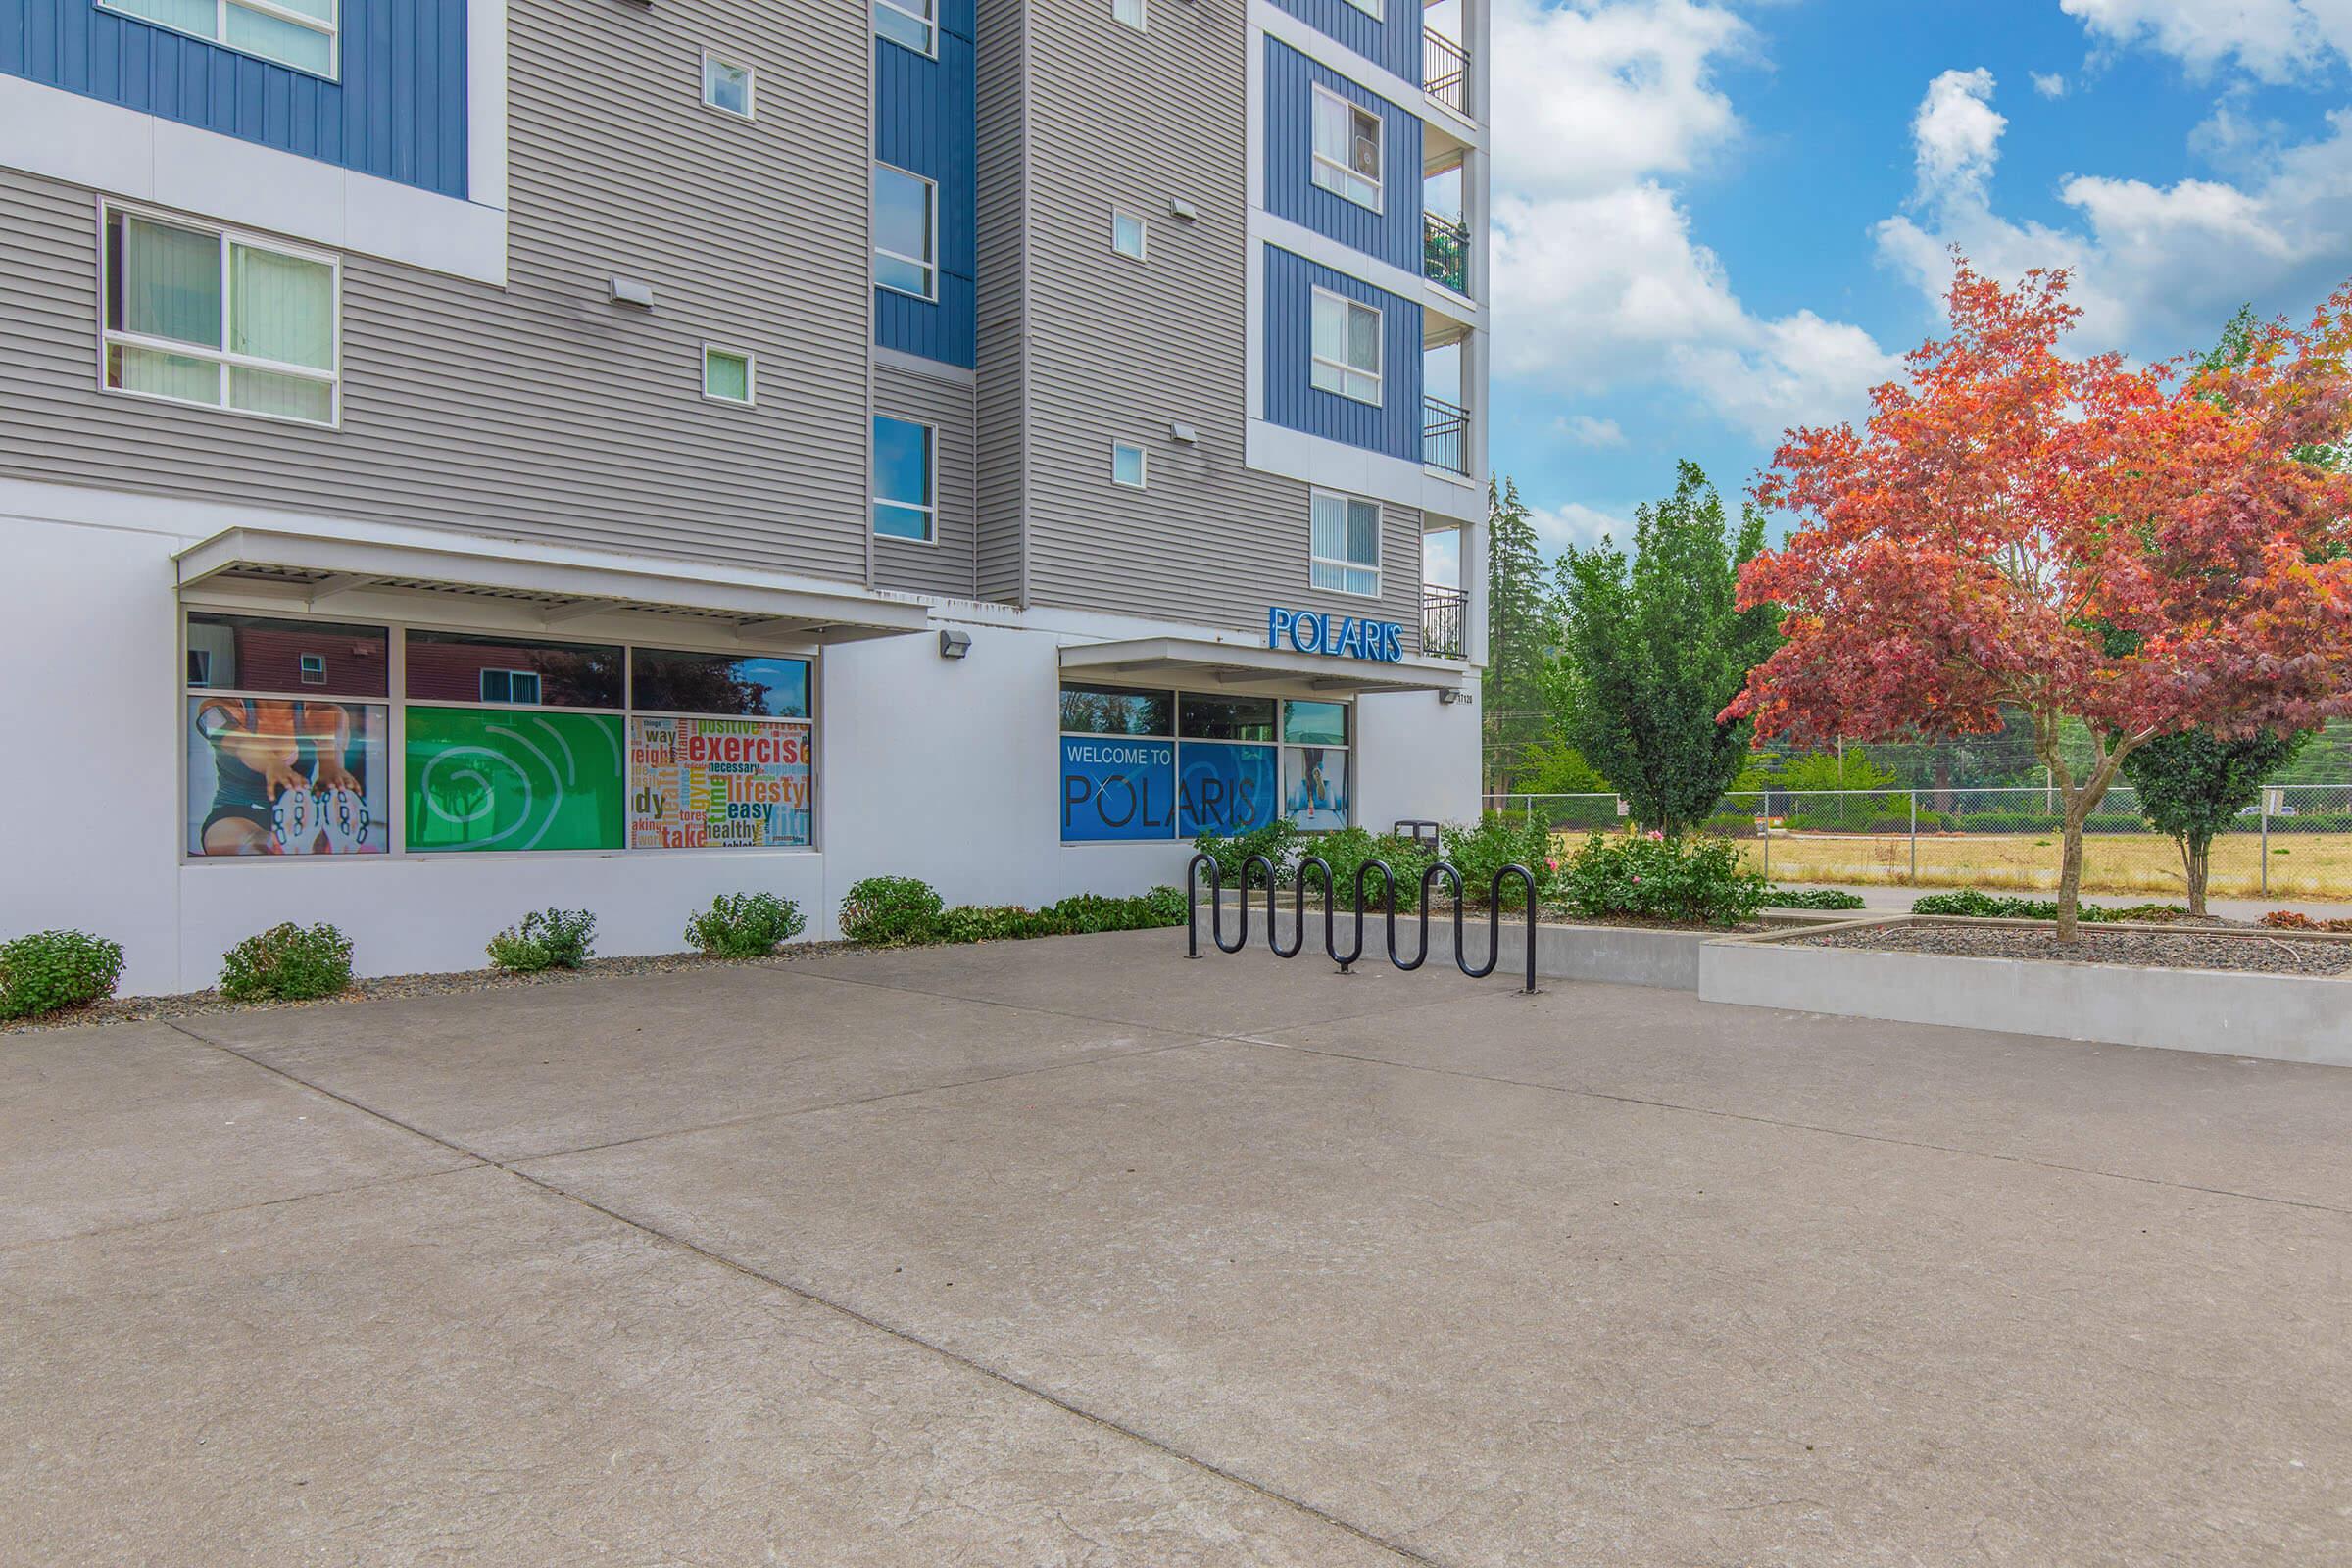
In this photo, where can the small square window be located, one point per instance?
(727, 86)
(1128, 466)
(1130, 12)
(313, 669)
(906, 480)
(511, 686)
(1127, 234)
(727, 374)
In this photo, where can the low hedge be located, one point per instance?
(48, 971)
(287, 962)
(1986, 906)
(904, 911)
(1812, 898)
(745, 925)
(545, 939)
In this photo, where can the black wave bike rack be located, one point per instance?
(1314, 865)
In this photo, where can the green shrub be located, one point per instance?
(1167, 906)
(1812, 898)
(52, 969)
(1986, 906)
(1692, 880)
(547, 939)
(1279, 840)
(1002, 922)
(1499, 840)
(1080, 913)
(287, 962)
(745, 925)
(891, 911)
(1347, 850)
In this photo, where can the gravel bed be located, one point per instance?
(2201, 949)
(202, 1004)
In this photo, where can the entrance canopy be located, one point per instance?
(422, 574)
(1205, 664)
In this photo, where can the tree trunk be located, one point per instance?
(2069, 873)
(2197, 851)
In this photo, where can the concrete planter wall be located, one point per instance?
(2223, 1013)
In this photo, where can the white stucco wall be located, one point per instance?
(947, 770)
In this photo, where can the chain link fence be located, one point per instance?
(2295, 843)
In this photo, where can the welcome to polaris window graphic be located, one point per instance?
(1339, 636)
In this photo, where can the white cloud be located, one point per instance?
(1584, 430)
(1599, 283)
(1957, 135)
(2157, 268)
(2049, 84)
(1576, 523)
(2274, 40)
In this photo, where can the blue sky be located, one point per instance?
(1717, 218)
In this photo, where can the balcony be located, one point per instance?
(1446, 71)
(1445, 251)
(1445, 622)
(1446, 435)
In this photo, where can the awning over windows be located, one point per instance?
(423, 575)
(1206, 664)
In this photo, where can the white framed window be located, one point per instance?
(730, 375)
(1347, 347)
(906, 232)
(518, 686)
(1370, 7)
(212, 316)
(1130, 12)
(1129, 465)
(906, 480)
(313, 669)
(1343, 540)
(729, 87)
(1130, 236)
(910, 24)
(1347, 149)
(301, 33)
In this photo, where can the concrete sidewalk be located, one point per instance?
(1075, 1252)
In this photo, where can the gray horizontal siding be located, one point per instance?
(945, 566)
(1001, 401)
(542, 411)
(1117, 351)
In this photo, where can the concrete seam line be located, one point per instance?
(904, 1336)
(983, 1369)
(1796, 1126)
(194, 1214)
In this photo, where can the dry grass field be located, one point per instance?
(2302, 866)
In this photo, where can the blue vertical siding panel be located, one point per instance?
(398, 113)
(1292, 399)
(1393, 42)
(926, 122)
(1394, 233)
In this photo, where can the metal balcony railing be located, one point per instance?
(1445, 622)
(1446, 71)
(1445, 436)
(1445, 251)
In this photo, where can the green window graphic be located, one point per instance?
(509, 779)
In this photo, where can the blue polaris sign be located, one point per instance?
(1339, 636)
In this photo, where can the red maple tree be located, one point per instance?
(2141, 549)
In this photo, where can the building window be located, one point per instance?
(728, 87)
(1128, 466)
(518, 686)
(202, 316)
(1347, 347)
(906, 232)
(1346, 544)
(1130, 12)
(1159, 764)
(1370, 7)
(1346, 153)
(913, 23)
(285, 752)
(448, 666)
(301, 33)
(906, 488)
(1128, 235)
(729, 374)
(1315, 766)
(313, 669)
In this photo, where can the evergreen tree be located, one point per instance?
(1520, 638)
(1657, 648)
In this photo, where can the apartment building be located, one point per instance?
(464, 456)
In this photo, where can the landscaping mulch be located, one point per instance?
(2200, 949)
(386, 987)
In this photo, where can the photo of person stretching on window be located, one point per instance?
(281, 776)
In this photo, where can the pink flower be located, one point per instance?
(1637, 876)
(1658, 835)
(1551, 865)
